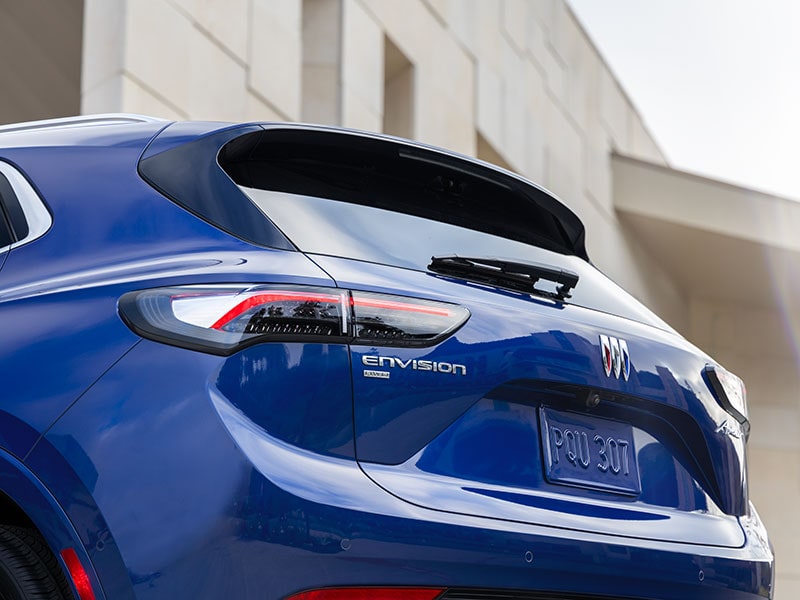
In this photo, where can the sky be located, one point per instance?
(716, 81)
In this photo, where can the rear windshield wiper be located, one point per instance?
(520, 276)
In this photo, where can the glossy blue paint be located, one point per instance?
(300, 394)
(178, 474)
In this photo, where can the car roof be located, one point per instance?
(157, 136)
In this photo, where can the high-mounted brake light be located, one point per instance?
(729, 390)
(222, 319)
(369, 593)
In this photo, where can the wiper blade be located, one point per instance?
(515, 275)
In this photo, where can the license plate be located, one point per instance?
(589, 452)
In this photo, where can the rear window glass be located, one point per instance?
(331, 227)
(390, 174)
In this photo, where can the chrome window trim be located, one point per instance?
(36, 213)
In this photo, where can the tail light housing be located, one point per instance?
(222, 319)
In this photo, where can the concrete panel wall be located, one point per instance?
(40, 44)
(193, 59)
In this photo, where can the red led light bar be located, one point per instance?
(390, 305)
(258, 299)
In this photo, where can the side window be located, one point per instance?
(12, 210)
(23, 215)
(6, 239)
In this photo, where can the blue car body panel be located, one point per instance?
(282, 467)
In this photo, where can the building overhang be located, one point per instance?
(718, 241)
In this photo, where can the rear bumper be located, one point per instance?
(355, 533)
(380, 551)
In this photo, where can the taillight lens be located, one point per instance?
(224, 319)
(729, 390)
(265, 311)
(394, 320)
(369, 593)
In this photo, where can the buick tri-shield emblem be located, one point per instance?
(616, 358)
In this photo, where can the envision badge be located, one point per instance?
(392, 362)
(616, 358)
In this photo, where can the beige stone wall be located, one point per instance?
(193, 59)
(40, 46)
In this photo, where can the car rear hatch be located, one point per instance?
(556, 400)
(514, 417)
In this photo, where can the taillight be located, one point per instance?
(729, 390)
(369, 593)
(222, 319)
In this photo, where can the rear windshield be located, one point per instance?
(336, 228)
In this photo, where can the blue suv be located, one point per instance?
(290, 361)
